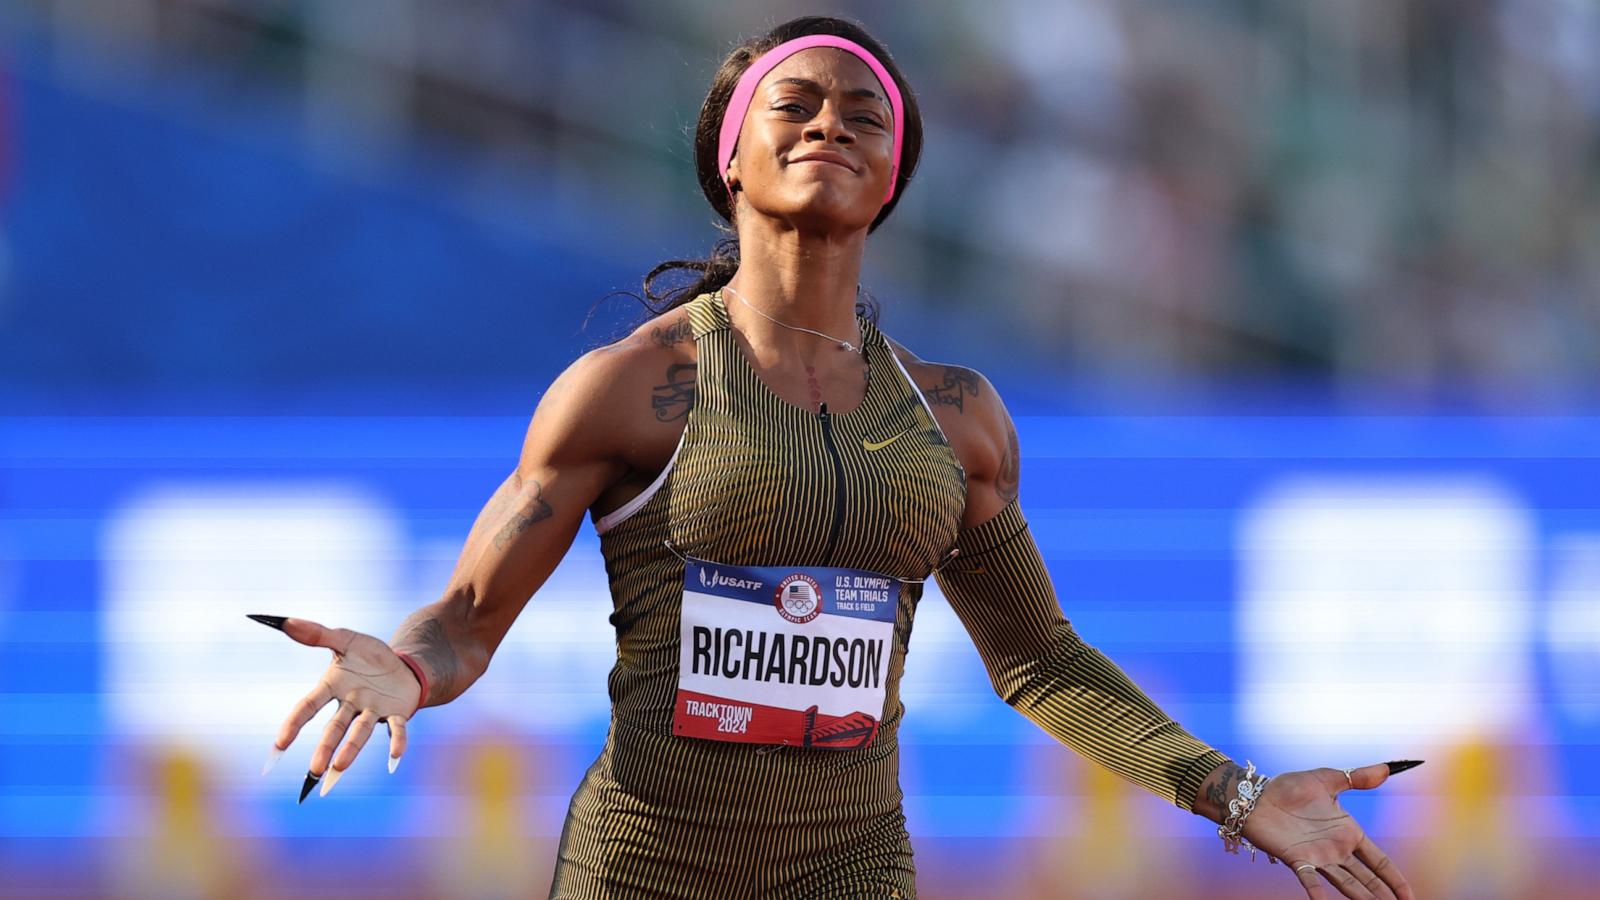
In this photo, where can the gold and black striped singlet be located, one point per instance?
(758, 481)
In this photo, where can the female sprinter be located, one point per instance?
(772, 480)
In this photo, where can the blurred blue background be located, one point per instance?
(1297, 306)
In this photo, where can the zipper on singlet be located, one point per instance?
(838, 484)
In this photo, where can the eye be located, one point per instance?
(802, 110)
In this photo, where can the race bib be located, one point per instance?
(784, 654)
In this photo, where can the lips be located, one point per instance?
(833, 158)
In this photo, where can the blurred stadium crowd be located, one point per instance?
(1400, 193)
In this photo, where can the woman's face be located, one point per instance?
(824, 103)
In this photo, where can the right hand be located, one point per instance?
(370, 683)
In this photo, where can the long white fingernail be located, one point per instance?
(327, 783)
(272, 760)
(394, 763)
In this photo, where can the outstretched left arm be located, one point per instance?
(1039, 665)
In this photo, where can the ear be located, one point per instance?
(733, 175)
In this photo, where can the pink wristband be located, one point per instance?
(421, 679)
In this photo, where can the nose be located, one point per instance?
(828, 123)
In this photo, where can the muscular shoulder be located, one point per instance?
(973, 417)
(627, 400)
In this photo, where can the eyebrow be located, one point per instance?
(815, 88)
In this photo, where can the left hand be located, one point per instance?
(1298, 820)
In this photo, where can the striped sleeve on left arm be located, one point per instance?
(1039, 665)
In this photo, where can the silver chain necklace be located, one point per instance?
(845, 344)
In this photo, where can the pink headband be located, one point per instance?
(745, 91)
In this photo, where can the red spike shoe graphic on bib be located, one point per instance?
(848, 733)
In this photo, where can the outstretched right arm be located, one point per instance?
(523, 531)
(570, 456)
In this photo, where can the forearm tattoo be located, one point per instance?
(1005, 484)
(425, 639)
(672, 400)
(534, 508)
(959, 384)
(1224, 785)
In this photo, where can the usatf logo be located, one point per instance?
(798, 598)
(716, 579)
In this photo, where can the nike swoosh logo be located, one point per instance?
(879, 445)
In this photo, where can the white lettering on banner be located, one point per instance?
(731, 718)
(717, 579)
(851, 598)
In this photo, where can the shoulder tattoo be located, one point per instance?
(957, 386)
(673, 334)
(672, 399)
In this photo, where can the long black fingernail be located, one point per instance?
(1400, 765)
(311, 782)
(273, 621)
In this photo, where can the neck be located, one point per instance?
(807, 280)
